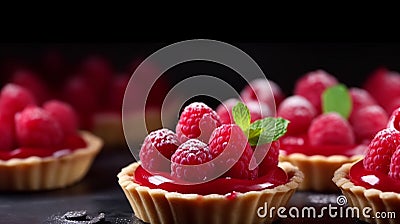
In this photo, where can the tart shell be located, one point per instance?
(160, 206)
(318, 170)
(361, 197)
(36, 173)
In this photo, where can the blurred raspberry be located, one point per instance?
(367, 121)
(330, 129)
(264, 91)
(299, 111)
(35, 127)
(64, 114)
(312, 85)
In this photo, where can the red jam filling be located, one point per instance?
(372, 179)
(71, 143)
(300, 144)
(224, 185)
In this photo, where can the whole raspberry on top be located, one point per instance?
(299, 111)
(330, 129)
(230, 141)
(367, 121)
(35, 127)
(197, 121)
(312, 85)
(157, 150)
(190, 161)
(381, 149)
(64, 114)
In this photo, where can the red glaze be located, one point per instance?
(372, 179)
(225, 186)
(300, 144)
(71, 143)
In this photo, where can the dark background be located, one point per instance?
(283, 63)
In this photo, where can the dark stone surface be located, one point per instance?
(99, 193)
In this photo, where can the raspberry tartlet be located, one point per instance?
(181, 177)
(374, 182)
(41, 147)
(329, 125)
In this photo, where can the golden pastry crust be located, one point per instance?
(160, 206)
(361, 197)
(318, 170)
(36, 173)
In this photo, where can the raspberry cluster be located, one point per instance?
(27, 124)
(202, 144)
(308, 114)
(383, 153)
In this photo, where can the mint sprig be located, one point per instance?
(261, 131)
(241, 116)
(267, 130)
(337, 99)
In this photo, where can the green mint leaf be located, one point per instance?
(337, 99)
(267, 130)
(241, 116)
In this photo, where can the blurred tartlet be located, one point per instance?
(329, 125)
(41, 147)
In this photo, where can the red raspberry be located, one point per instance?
(13, 99)
(64, 114)
(394, 171)
(258, 110)
(299, 111)
(197, 121)
(360, 98)
(35, 127)
(381, 149)
(384, 86)
(259, 90)
(189, 162)
(312, 85)
(7, 138)
(229, 143)
(374, 80)
(157, 150)
(271, 158)
(31, 82)
(224, 110)
(330, 129)
(367, 121)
